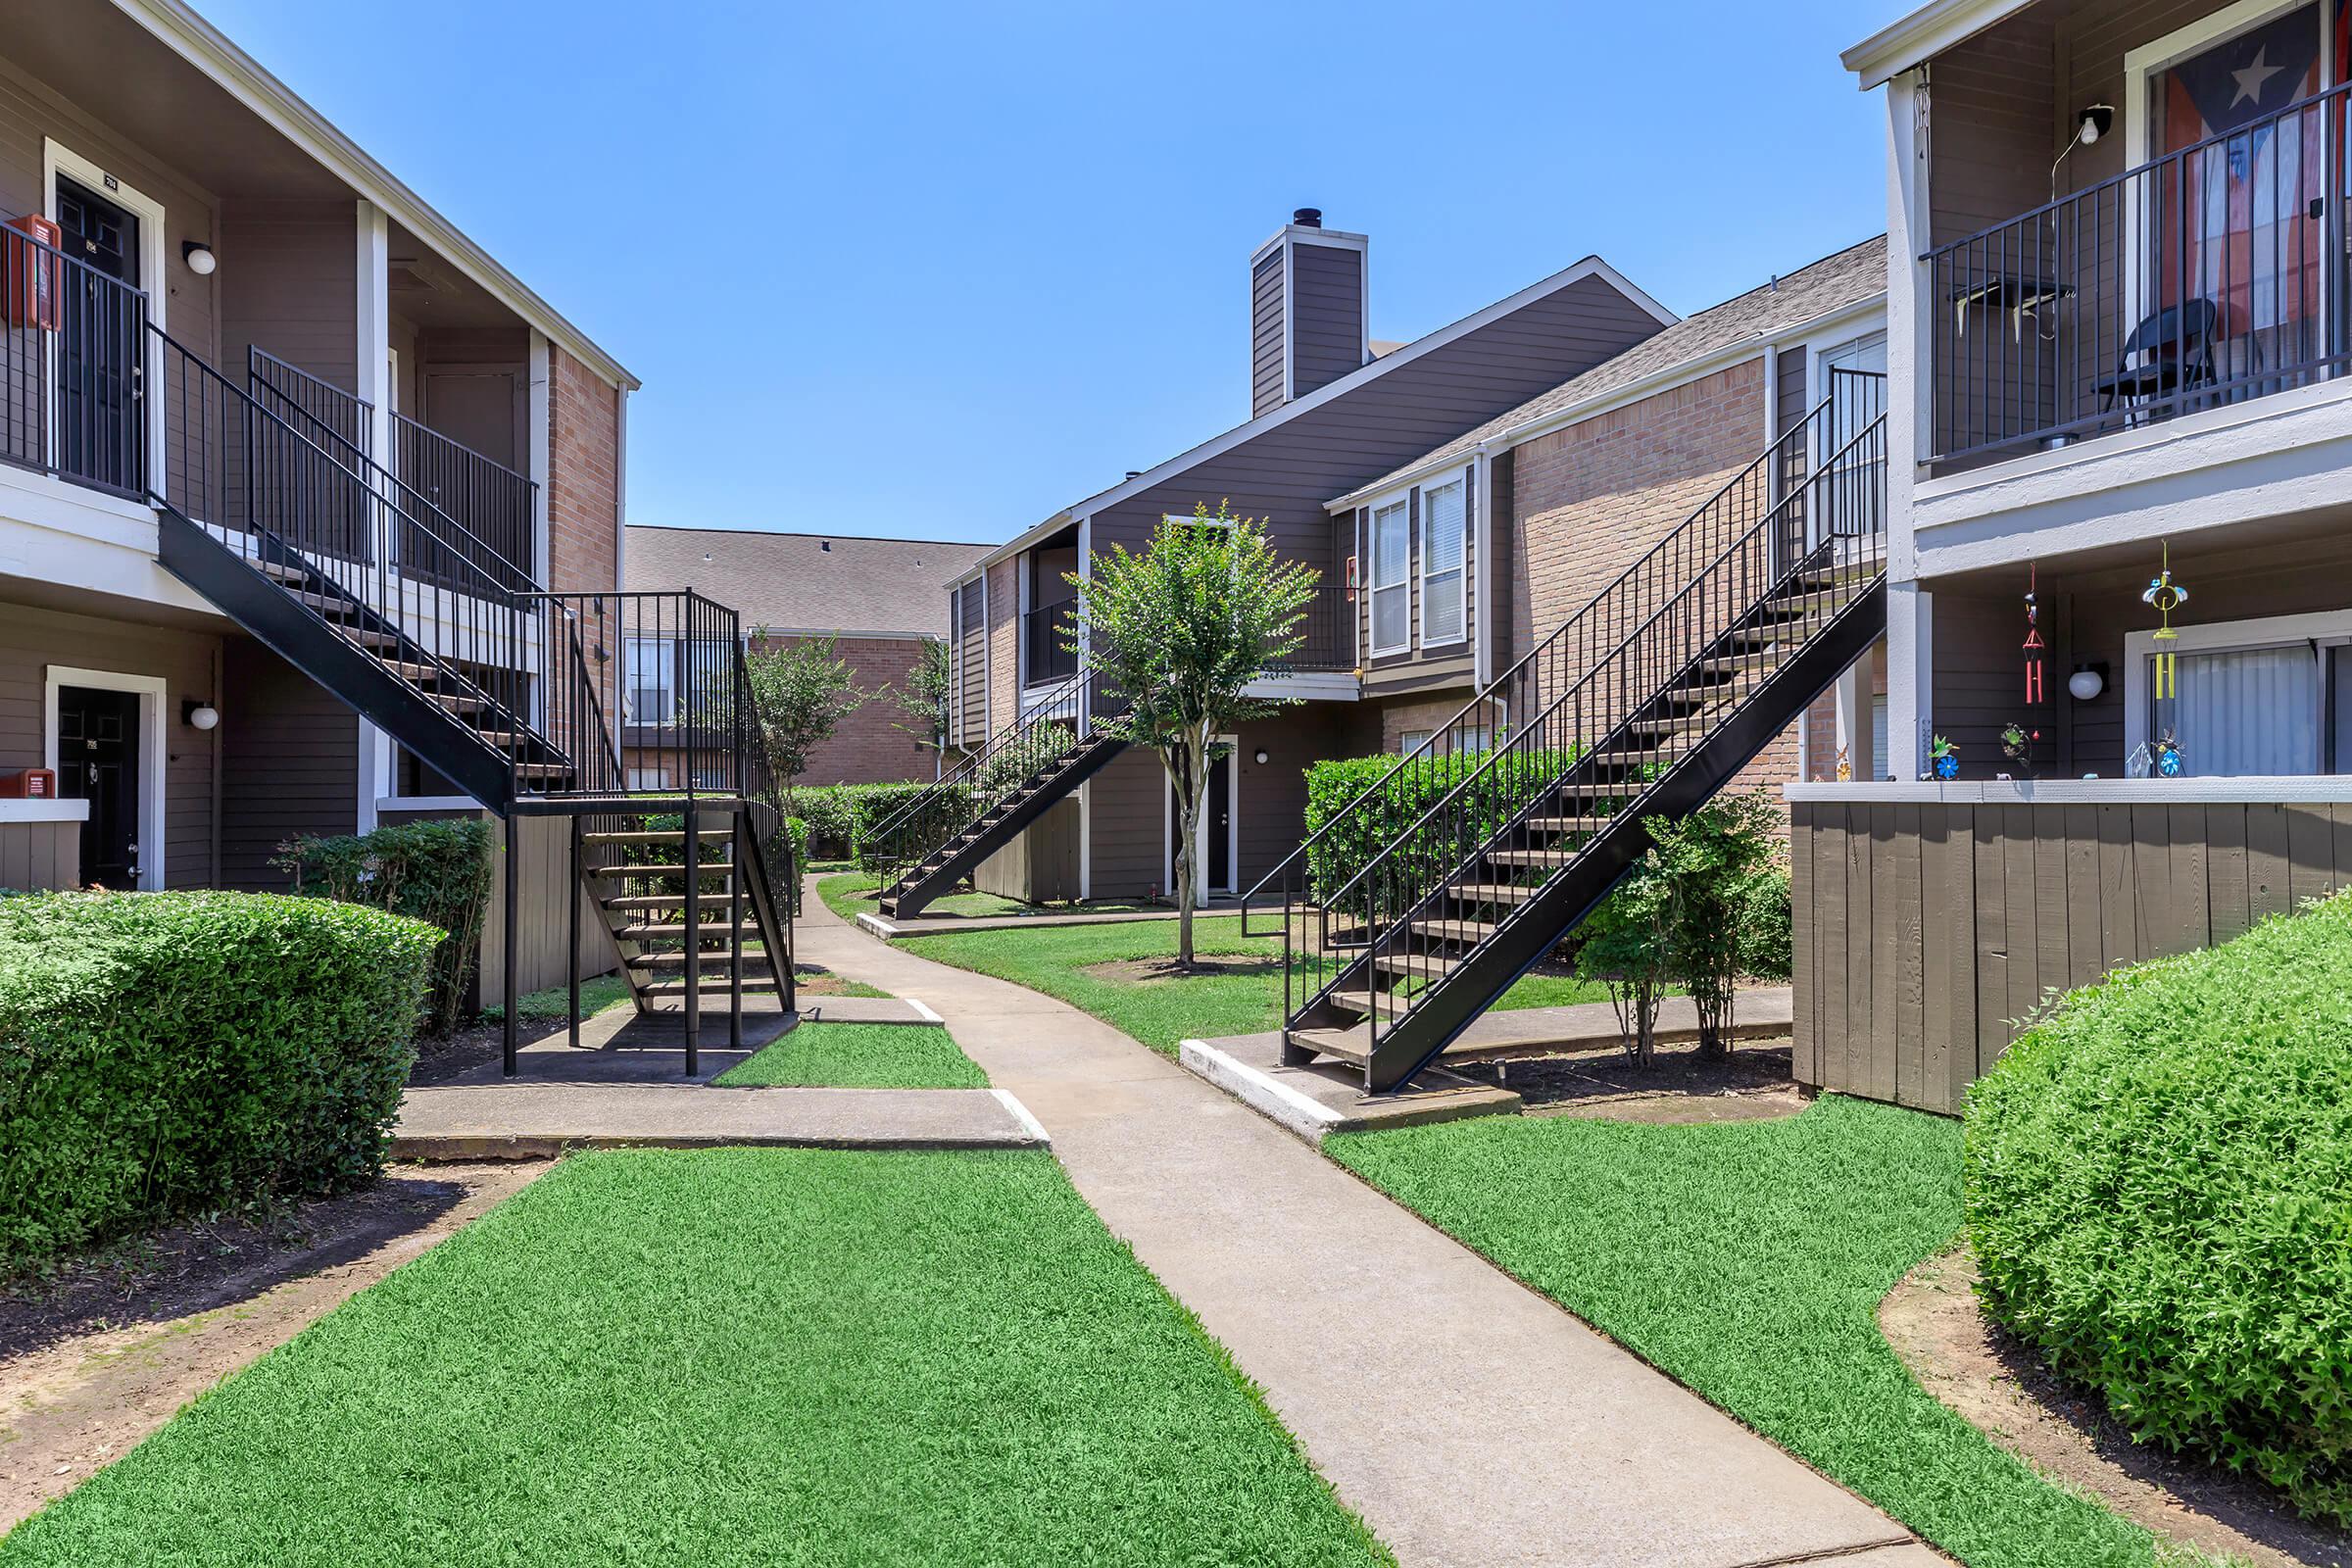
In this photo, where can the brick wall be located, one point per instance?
(1591, 498)
(583, 476)
(869, 748)
(1427, 713)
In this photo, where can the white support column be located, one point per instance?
(1853, 694)
(371, 356)
(541, 433)
(1910, 399)
(1910, 678)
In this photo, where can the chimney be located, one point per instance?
(1308, 324)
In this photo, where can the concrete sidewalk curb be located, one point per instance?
(537, 1121)
(1325, 1098)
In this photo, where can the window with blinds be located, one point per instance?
(1442, 584)
(2247, 712)
(1392, 587)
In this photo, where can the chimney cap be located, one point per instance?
(1308, 217)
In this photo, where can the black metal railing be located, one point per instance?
(1588, 720)
(334, 532)
(341, 421)
(72, 376)
(2210, 275)
(1326, 631)
(664, 674)
(1049, 642)
(492, 500)
(1055, 726)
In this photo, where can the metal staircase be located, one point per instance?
(1534, 801)
(936, 840)
(521, 697)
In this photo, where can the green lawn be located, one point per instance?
(1161, 1012)
(742, 1356)
(853, 895)
(1748, 1259)
(858, 1056)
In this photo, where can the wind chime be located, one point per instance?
(2032, 644)
(2166, 596)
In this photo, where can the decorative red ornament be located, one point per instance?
(2032, 644)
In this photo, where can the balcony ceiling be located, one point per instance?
(118, 74)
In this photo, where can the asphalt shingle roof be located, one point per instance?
(805, 581)
(1829, 284)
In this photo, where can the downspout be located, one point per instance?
(1483, 650)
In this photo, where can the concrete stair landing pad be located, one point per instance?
(538, 1120)
(1327, 1097)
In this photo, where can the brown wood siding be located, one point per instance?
(971, 666)
(1126, 805)
(289, 285)
(1990, 115)
(542, 878)
(33, 639)
(1286, 475)
(1922, 931)
(1041, 864)
(1326, 314)
(1267, 330)
(1794, 389)
(289, 763)
(39, 857)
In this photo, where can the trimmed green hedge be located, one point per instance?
(2159, 1190)
(841, 814)
(167, 1052)
(1384, 820)
(437, 872)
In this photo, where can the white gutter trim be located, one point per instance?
(244, 80)
(1662, 379)
(1923, 35)
(1482, 652)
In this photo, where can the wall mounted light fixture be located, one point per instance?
(199, 257)
(197, 713)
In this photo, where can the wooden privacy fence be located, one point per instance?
(1929, 918)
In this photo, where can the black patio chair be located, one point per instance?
(2170, 352)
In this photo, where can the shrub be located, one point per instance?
(167, 1052)
(832, 818)
(1421, 857)
(437, 872)
(1720, 871)
(2159, 1189)
(945, 810)
(1022, 757)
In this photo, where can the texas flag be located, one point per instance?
(2235, 210)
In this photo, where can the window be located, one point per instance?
(1442, 592)
(2251, 711)
(645, 780)
(1879, 767)
(1391, 552)
(1411, 741)
(653, 689)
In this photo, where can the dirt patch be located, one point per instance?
(1145, 971)
(1971, 1363)
(814, 980)
(106, 1349)
(1751, 1083)
(470, 1045)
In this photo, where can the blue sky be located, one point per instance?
(935, 270)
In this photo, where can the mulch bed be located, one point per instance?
(1982, 1371)
(1751, 1083)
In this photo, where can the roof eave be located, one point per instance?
(245, 79)
(1921, 35)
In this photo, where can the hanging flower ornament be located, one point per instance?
(2168, 756)
(1945, 758)
(2166, 596)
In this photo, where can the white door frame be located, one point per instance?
(154, 238)
(1233, 829)
(152, 692)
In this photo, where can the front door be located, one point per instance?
(1216, 824)
(98, 761)
(98, 341)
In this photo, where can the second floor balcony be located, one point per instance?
(2179, 238)
(1050, 635)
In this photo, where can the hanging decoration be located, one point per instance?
(2169, 763)
(2032, 644)
(2166, 596)
(1945, 758)
(1845, 767)
(2017, 744)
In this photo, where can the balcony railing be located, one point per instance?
(1327, 633)
(496, 502)
(1048, 637)
(72, 370)
(2211, 276)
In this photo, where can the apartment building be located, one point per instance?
(878, 599)
(2120, 470)
(311, 511)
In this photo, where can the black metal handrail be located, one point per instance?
(1050, 728)
(72, 377)
(1326, 631)
(1049, 642)
(1523, 736)
(2140, 298)
(499, 506)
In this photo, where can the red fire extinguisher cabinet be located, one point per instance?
(36, 277)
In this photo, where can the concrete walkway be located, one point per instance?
(1467, 1419)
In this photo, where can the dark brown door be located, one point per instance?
(98, 761)
(98, 341)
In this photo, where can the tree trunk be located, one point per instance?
(1190, 774)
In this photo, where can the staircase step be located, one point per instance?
(409, 669)
(548, 770)
(1540, 859)
(659, 900)
(1491, 893)
(1566, 824)
(714, 961)
(1350, 1046)
(714, 995)
(326, 603)
(619, 872)
(1428, 965)
(1390, 1005)
(672, 835)
(667, 931)
(1467, 932)
(1739, 664)
(460, 702)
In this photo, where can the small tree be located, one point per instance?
(1628, 948)
(922, 696)
(1180, 632)
(799, 693)
(1718, 866)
